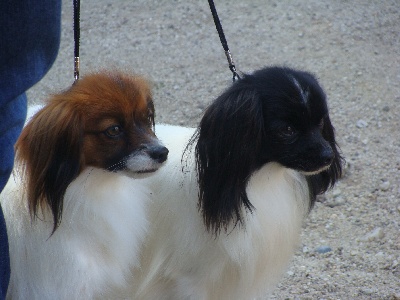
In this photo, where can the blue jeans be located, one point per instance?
(29, 42)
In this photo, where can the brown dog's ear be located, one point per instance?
(49, 149)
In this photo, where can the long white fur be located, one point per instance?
(94, 251)
(181, 260)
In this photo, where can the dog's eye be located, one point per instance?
(113, 131)
(287, 131)
(150, 118)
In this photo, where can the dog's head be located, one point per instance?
(273, 115)
(104, 120)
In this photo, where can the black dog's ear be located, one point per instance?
(50, 148)
(228, 141)
(321, 182)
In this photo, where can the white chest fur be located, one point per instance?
(184, 261)
(92, 252)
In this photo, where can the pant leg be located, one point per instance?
(12, 116)
(29, 42)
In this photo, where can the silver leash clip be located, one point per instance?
(229, 58)
(76, 68)
(232, 65)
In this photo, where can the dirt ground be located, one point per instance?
(354, 49)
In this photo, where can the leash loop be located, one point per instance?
(222, 38)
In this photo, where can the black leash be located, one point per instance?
(223, 40)
(76, 4)
(77, 11)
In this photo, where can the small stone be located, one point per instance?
(384, 186)
(336, 193)
(386, 108)
(367, 291)
(361, 123)
(374, 235)
(347, 168)
(395, 264)
(323, 249)
(338, 201)
(353, 252)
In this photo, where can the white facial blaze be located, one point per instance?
(141, 161)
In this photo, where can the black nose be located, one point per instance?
(158, 153)
(327, 156)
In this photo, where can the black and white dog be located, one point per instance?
(229, 204)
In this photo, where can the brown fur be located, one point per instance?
(68, 134)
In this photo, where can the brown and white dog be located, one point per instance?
(75, 218)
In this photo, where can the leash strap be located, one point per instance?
(77, 8)
(223, 40)
(76, 4)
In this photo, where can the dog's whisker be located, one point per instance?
(117, 166)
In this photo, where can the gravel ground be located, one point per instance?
(354, 49)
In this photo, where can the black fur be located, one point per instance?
(273, 115)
